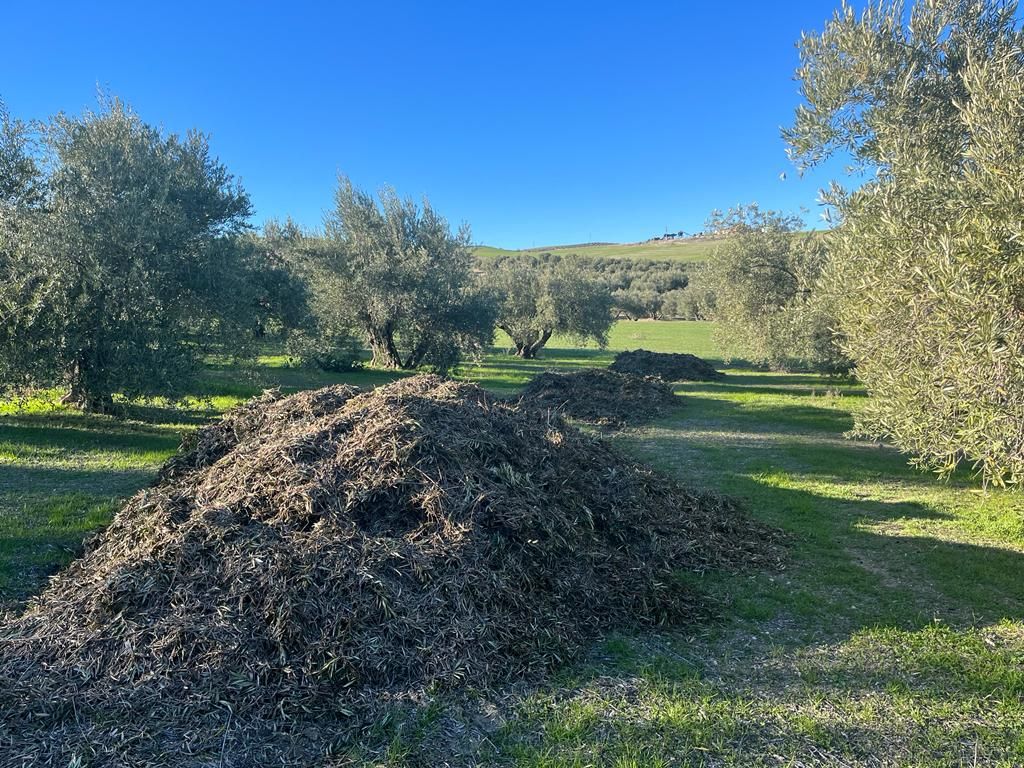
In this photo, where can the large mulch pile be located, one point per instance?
(668, 366)
(313, 559)
(599, 396)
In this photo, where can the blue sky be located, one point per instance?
(538, 123)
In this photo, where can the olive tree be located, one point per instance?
(538, 300)
(317, 325)
(402, 277)
(769, 308)
(636, 303)
(113, 282)
(267, 286)
(694, 302)
(928, 258)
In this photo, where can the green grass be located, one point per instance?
(685, 251)
(503, 373)
(895, 636)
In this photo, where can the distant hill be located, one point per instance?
(684, 250)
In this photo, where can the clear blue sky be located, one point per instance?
(538, 123)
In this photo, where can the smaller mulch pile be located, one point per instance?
(600, 397)
(666, 366)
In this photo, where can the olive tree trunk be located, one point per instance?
(528, 347)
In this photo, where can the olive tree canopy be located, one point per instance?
(538, 300)
(113, 281)
(928, 258)
(769, 308)
(21, 184)
(402, 278)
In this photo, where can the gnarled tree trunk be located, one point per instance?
(382, 344)
(528, 347)
(81, 396)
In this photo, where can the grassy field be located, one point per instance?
(667, 250)
(894, 637)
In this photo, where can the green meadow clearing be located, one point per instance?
(689, 250)
(895, 636)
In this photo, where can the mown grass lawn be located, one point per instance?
(894, 637)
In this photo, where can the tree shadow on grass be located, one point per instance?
(62, 479)
(52, 434)
(911, 556)
(866, 566)
(789, 388)
(699, 422)
(803, 438)
(32, 482)
(738, 374)
(46, 513)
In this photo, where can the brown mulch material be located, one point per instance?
(599, 396)
(668, 366)
(310, 560)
